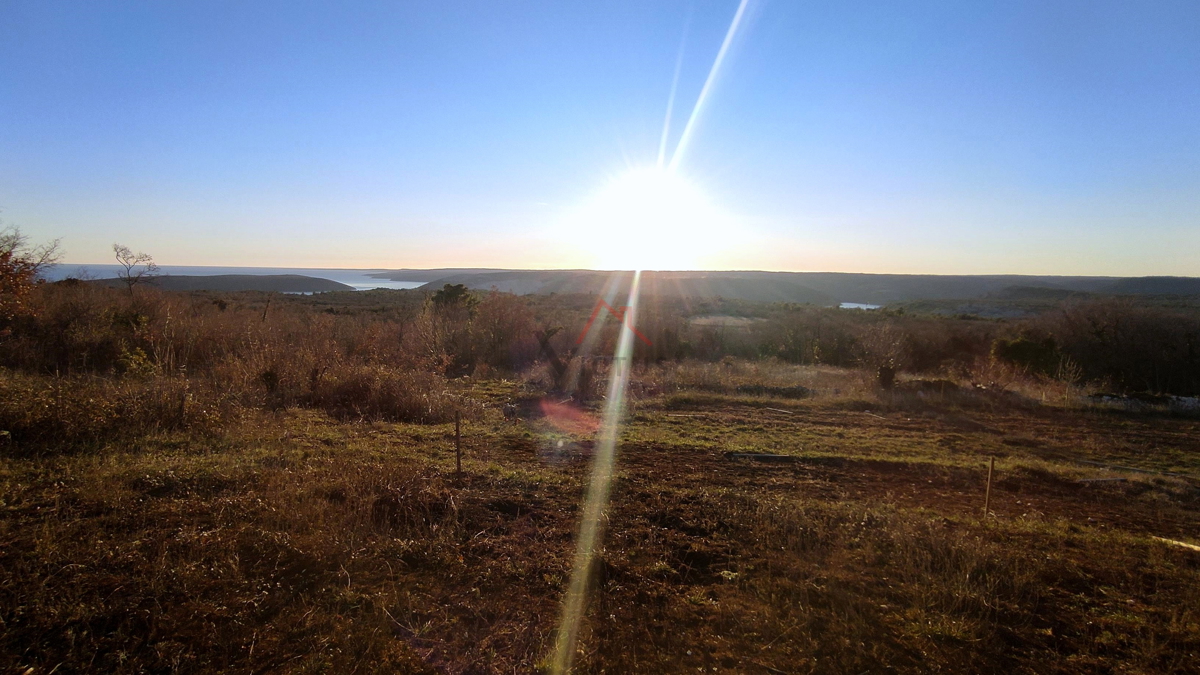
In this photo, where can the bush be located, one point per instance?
(1128, 347)
(1040, 357)
(20, 267)
(384, 394)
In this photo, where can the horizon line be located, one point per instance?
(669, 271)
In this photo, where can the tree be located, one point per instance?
(136, 267)
(446, 325)
(453, 296)
(20, 268)
(502, 331)
(883, 349)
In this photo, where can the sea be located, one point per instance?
(361, 280)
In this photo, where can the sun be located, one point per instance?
(649, 219)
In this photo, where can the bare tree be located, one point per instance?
(20, 267)
(14, 246)
(137, 268)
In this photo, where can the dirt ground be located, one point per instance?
(304, 544)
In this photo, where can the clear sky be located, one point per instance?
(1046, 136)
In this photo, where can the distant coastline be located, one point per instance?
(1006, 295)
(232, 283)
(359, 280)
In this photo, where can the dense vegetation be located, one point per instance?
(84, 362)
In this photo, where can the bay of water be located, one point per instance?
(359, 279)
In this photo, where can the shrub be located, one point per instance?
(503, 332)
(20, 265)
(1128, 347)
(386, 394)
(1040, 357)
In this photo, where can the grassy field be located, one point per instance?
(294, 541)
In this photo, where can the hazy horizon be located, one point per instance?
(1007, 138)
(66, 262)
(81, 265)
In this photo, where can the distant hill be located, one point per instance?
(280, 283)
(882, 289)
(1038, 293)
(813, 287)
(664, 284)
(820, 288)
(1155, 286)
(444, 273)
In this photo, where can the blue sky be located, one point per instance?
(920, 137)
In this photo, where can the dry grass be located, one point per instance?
(295, 542)
(67, 412)
(729, 375)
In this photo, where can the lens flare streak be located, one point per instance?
(591, 526)
(595, 502)
(684, 138)
(662, 143)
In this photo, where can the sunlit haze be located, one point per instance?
(926, 137)
(649, 218)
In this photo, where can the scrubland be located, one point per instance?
(264, 483)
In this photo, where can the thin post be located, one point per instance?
(458, 442)
(987, 495)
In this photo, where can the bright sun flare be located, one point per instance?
(649, 219)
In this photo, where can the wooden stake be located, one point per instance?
(458, 442)
(987, 495)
